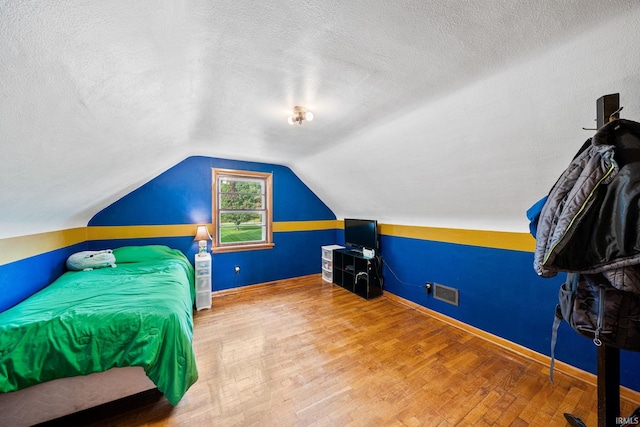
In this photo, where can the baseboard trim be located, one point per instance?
(626, 393)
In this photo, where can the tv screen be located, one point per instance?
(361, 233)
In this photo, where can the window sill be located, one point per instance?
(238, 248)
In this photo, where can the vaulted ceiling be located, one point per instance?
(439, 112)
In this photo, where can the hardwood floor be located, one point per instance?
(305, 352)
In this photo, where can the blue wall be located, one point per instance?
(182, 195)
(23, 278)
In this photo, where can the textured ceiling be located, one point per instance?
(99, 97)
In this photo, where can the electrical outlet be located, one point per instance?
(237, 269)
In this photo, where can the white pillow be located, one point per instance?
(88, 260)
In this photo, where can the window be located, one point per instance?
(241, 210)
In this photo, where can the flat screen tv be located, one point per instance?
(361, 233)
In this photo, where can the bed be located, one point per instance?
(117, 322)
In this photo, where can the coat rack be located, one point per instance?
(607, 108)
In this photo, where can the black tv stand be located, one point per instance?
(357, 274)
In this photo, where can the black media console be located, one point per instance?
(356, 273)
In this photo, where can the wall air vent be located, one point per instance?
(445, 293)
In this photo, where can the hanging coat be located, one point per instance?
(590, 222)
(590, 226)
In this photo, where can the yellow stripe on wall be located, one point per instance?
(141, 231)
(178, 230)
(489, 239)
(16, 248)
(305, 225)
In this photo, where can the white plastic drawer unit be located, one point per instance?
(327, 262)
(203, 280)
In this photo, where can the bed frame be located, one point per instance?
(123, 387)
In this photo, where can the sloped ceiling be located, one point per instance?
(422, 108)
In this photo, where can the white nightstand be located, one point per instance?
(203, 280)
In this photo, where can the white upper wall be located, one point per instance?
(480, 156)
(428, 113)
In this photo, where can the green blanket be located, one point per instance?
(136, 314)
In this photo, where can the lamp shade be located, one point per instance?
(202, 233)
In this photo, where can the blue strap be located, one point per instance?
(557, 319)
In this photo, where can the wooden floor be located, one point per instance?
(308, 353)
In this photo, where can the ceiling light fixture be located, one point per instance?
(299, 114)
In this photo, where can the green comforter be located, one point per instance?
(136, 314)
